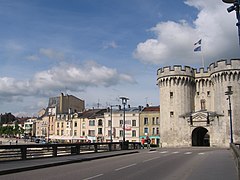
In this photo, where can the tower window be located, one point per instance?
(203, 104)
(208, 93)
(171, 114)
(171, 94)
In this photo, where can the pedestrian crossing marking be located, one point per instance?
(188, 153)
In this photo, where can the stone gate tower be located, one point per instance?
(194, 110)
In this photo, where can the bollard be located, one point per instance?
(24, 152)
(95, 148)
(54, 147)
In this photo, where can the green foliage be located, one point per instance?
(11, 131)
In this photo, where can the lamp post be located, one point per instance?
(124, 102)
(236, 7)
(229, 92)
(50, 113)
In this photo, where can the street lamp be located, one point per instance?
(229, 92)
(111, 106)
(236, 7)
(48, 127)
(124, 102)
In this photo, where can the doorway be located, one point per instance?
(200, 137)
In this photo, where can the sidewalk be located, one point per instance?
(19, 166)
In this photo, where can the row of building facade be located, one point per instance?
(66, 120)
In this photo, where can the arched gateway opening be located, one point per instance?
(200, 137)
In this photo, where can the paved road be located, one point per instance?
(166, 164)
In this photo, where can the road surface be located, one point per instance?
(159, 164)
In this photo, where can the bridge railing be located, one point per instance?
(235, 147)
(31, 151)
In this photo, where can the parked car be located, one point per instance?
(41, 141)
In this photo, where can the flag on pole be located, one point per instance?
(198, 45)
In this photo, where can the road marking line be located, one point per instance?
(92, 177)
(188, 153)
(201, 153)
(163, 152)
(124, 167)
(152, 151)
(176, 152)
(150, 159)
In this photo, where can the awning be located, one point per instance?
(151, 137)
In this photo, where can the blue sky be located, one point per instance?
(99, 50)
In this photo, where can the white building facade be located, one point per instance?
(114, 123)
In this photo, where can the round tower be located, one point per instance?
(223, 74)
(177, 91)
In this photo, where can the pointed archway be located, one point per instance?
(200, 137)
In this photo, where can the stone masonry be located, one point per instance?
(194, 110)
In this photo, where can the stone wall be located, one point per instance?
(185, 91)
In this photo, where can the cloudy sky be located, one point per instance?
(100, 50)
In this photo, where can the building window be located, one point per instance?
(109, 123)
(145, 130)
(99, 130)
(171, 114)
(153, 131)
(203, 104)
(157, 120)
(121, 122)
(57, 132)
(198, 93)
(153, 120)
(134, 133)
(83, 133)
(58, 124)
(208, 93)
(62, 124)
(62, 133)
(157, 131)
(91, 132)
(100, 122)
(134, 123)
(171, 94)
(75, 124)
(145, 121)
(91, 122)
(121, 133)
(75, 132)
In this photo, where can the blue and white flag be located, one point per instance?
(197, 46)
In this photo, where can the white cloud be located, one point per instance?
(174, 40)
(51, 53)
(112, 44)
(64, 76)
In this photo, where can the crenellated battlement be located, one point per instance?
(223, 65)
(176, 70)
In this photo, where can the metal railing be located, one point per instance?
(235, 147)
(33, 151)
